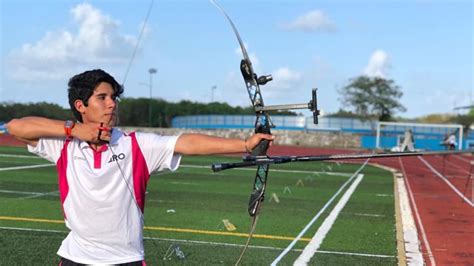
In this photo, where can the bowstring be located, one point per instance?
(127, 71)
(140, 35)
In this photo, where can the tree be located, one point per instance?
(372, 97)
(465, 120)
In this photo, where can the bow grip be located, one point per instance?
(261, 148)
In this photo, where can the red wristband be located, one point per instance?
(68, 126)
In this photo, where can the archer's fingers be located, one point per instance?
(262, 136)
(103, 133)
(269, 137)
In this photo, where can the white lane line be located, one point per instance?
(447, 182)
(298, 237)
(411, 235)
(323, 230)
(463, 159)
(452, 164)
(26, 167)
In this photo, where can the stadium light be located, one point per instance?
(151, 71)
(213, 88)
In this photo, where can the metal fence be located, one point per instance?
(281, 121)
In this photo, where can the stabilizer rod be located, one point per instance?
(251, 160)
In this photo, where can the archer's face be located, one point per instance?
(102, 106)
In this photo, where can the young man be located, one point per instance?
(103, 172)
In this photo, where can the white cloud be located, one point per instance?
(96, 41)
(379, 64)
(285, 81)
(312, 21)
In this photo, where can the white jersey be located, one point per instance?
(103, 192)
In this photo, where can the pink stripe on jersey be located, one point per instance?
(140, 172)
(98, 156)
(61, 166)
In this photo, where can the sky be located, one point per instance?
(425, 46)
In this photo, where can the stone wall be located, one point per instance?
(283, 137)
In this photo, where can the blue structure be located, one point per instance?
(3, 128)
(426, 137)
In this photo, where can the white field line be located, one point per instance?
(207, 167)
(20, 192)
(30, 194)
(447, 182)
(149, 238)
(19, 156)
(52, 193)
(410, 236)
(26, 167)
(363, 214)
(205, 243)
(290, 246)
(323, 230)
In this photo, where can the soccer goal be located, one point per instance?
(425, 136)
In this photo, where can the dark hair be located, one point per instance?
(81, 87)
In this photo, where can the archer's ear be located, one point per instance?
(80, 107)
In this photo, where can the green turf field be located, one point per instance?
(185, 210)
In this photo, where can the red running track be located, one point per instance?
(444, 205)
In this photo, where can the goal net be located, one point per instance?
(392, 135)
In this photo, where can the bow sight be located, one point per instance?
(312, 105)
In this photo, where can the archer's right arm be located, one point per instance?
(30, 129)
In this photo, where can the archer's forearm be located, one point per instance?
(198, 144)
(30, 129)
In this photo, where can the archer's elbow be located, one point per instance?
(13, 127)
(18, 129)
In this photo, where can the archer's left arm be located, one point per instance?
(199, 144)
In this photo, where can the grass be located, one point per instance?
(190, 204)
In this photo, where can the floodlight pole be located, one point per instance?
(213, 88)
(151, 71)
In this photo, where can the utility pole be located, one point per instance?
(213, 88)
(151, 71)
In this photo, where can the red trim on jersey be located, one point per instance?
(140, 172)
(61, 166)
(98, 156)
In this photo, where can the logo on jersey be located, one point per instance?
(117, 157)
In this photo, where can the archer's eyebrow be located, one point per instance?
(101, 94)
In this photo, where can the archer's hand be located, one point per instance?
(92, 132)
(254, 140)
